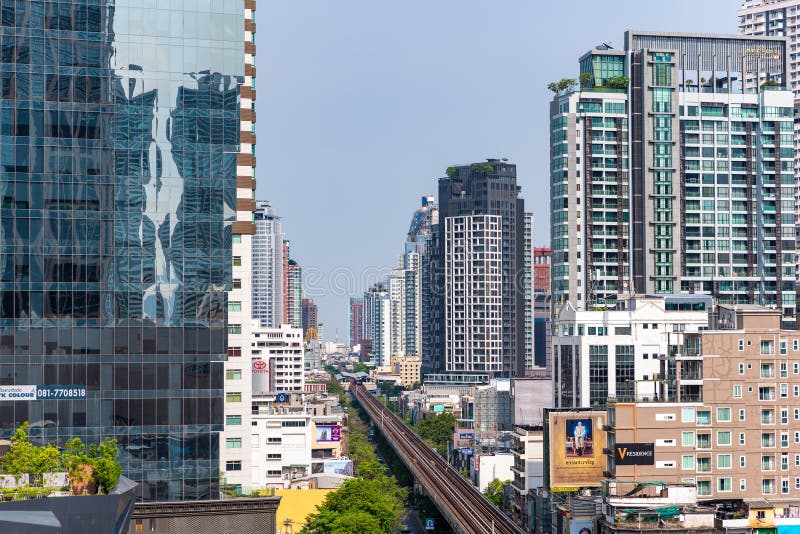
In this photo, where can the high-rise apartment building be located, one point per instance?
(268, 262)
(780, 18)
(527, 282)
(238, 368)
(416, 247)
(672, 171)
(309, 318)
(356, 321)
(377, 323)
(292, 290)
(542, 310)
(396, 287)
(116, 223)
(480, 264)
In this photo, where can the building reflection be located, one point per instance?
(118, 183)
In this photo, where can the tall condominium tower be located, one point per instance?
(377, 323)
(235, 459)
(356, 321)
(481, 267)
(672, 171)
(292, 312)
(780, 18)
(416, 246)
(527, 282)
(542, 310)
(309, 318)
(267, 272)
(119, 208)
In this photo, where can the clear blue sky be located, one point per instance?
(362, 104)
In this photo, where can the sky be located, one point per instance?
(362, 104)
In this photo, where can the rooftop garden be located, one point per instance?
(33, 471)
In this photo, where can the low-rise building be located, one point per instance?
(730, 424)
(408, 369)
(631, 507)
(528, 466)
(622, 353)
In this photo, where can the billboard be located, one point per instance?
(260, 371)
(577, 440)
(634, 454)
(329, 433)
(334, 467)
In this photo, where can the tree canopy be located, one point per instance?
(97, 463)
(438, 431)
(495, 492)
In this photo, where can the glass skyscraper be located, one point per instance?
(120, 131)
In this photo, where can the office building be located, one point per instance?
(282, 350)
(480, 266)
(624, 354)
(356, 321)
(737, 438)
(704, 201)
(119, 210)
(268, 261)
(309, 319)
(542, 311)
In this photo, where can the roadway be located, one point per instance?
(464, 507)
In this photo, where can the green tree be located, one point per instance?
(586, 79)
(358, 498)
(19, 458)
(561, 85)
(438, 431)
(495, 492)
(101, 458)
(771, 83)
(617, 82)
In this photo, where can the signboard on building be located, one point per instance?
(260, 371)
(329, 433)
(634, 454)
(17, 393)
(577, 440)
(30, 392)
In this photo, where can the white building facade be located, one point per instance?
(268, 262)
(626, 354)
(473, 286)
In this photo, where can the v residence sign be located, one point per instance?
(634, 454)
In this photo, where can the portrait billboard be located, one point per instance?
(577, 440)
(329, 433)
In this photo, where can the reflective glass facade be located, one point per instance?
(120, 128)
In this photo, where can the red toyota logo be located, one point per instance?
(259, 364)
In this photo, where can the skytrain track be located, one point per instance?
(464, 507)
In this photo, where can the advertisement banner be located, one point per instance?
(260, 377)
(338, 467)
(329, 433)
(634, 454)
(577, 440)
(17, 393)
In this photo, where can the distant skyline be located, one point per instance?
(362, 105)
